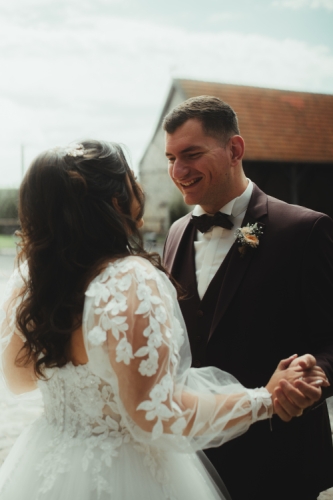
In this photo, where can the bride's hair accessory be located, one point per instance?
(248, 237)
(75, 150)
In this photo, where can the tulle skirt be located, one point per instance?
(48, 465)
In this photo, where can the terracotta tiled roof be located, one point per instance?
(277, 125)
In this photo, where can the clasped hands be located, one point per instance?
(295, 385)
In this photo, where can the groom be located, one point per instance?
(253, 301)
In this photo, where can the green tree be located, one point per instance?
(177, 209)
(8, 203)
(8, 211)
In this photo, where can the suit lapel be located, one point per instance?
(184, 263)
(237, 264)
(173, 242)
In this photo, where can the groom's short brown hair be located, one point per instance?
(218, 119)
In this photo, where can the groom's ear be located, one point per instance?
(237, 148)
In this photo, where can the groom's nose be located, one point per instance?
(178, 170)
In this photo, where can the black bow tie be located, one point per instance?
(204, 222)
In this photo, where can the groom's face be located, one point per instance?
(199, 165)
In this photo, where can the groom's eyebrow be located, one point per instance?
(186, 150)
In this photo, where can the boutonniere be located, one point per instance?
(248, 237)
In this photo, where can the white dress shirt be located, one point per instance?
(212, 247)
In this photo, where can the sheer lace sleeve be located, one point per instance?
(136, 340)
(17, 379)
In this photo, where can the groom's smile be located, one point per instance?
(190, 183)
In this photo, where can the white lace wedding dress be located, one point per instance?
(127, 424)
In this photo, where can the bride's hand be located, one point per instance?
(285, 371)
(298, 386)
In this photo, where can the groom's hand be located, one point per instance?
(291, 399)
(312, 372)
(306, 362)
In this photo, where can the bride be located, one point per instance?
(92, 320)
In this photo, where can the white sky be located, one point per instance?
(72, 69)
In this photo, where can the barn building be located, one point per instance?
(289, 147)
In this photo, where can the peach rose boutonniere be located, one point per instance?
(248, 237)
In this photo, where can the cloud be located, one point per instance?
(299, 4)
(107, 77)
(222, 17)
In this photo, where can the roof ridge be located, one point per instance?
(235, 85)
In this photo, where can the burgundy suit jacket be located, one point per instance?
(275, 301)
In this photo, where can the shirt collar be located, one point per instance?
(236, 206)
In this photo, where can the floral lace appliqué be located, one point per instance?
(117, 278)
(82, 412)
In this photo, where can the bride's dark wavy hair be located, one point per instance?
(75, 214)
